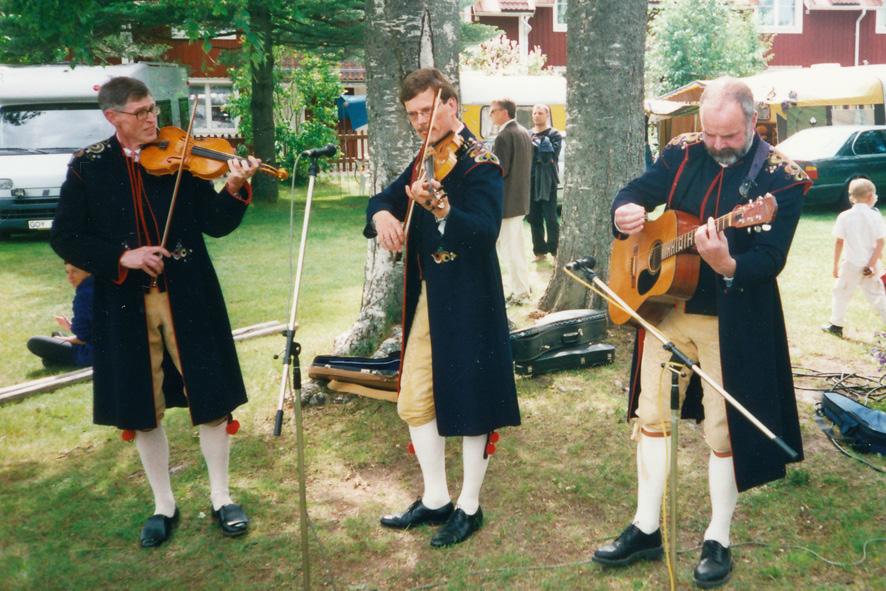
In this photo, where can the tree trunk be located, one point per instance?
(265, 188)
(605, 132)
(401, 35)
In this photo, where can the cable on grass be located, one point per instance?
(860, 388)
(513, 570)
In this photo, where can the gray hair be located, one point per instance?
(727, 89)
(118, 91)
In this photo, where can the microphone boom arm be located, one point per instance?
(600, 288)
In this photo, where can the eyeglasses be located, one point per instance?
(416, 115)
(143, 114)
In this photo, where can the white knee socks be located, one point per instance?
(215, 445)
(153, 449)
(475, 465)
(652, 471)
(724, 496)
(430, 450)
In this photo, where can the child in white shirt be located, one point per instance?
(860, 234)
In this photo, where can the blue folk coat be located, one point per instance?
(474, 391)
(753, 343)
(94, 224)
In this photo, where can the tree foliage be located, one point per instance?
(305, 114)
(83, 31)
(702, 39)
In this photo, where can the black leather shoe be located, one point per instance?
(232, 520)
(715, 566)
(418, 514)
(157, 529)
(459, 527)
(835, 330)
(632, 545)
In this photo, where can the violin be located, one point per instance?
(439, 160)
(442, 156)
(206, 158)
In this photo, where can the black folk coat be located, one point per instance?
(94, 224)
(753, 343)
(474, 391)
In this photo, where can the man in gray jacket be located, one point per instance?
(513, 147)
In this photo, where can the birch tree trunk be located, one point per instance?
(604, 132)
(401, 36)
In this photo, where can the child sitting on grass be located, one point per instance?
(74, 350)
(861, 231)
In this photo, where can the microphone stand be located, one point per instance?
(291, 364)
(678, 359)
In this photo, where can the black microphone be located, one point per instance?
(583, 264)
(327, 150)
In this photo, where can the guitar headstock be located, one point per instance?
(757, 212)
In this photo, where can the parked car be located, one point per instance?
(833, 156)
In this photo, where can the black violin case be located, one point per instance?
(569, 328)
(379, 373)
(585, 355)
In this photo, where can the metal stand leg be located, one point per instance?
(676, 369)
(291, 363)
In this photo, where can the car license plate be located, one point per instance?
(39, 224)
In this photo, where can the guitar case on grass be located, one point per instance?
(366, 371)
(568, 328)
(586, 355)
(863, 428)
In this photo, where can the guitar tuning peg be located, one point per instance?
(766, 227)
(757, 229)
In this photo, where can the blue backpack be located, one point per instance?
(862, 428)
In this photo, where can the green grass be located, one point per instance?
(73, 496)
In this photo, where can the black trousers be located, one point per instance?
(543, 216)
(53, 351)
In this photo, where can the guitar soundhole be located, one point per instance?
(655, 258)
(646, 278)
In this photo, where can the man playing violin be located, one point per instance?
(161, 332)
(456, 370)
(733, 325)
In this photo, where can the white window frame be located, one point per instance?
(881, 21)
(797, 27)
(205, 85)
(558, 27)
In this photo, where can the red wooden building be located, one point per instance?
(845, 32)
(529, 22)
(806, 32)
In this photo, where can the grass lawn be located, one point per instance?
(73, 495)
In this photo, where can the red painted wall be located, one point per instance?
(553, 44)
(829, 37)
(197, 61)
(508, 24)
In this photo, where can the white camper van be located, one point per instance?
(47, 113)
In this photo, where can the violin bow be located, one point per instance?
(178, 176)
(421, 163)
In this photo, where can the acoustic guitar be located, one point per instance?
(656, 266)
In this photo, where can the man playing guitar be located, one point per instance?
(732, 323)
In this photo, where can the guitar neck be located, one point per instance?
(687, 240)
